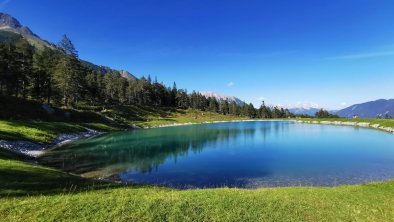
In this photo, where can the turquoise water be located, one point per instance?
(244, 154)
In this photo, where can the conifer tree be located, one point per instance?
(67, 47)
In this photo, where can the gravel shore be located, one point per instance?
(36, 149)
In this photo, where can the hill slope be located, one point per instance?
(11, 30)
(11, 24)
(372, 109)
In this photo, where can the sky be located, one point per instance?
(329, 54)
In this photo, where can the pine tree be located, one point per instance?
(44, 67)
(69, 80)
(67, 47)
(19, 67)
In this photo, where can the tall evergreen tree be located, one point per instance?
(69, 80)
(66, 46)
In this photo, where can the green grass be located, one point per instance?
(45, 131)
(20, 178)
(41, 132)
(185, 116)
(30, 192)
(381, 122)
(35, 193)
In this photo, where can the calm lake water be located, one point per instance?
(244, 154)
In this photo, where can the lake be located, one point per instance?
(237, 154)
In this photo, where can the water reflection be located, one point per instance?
(247, 154)
(146, 150)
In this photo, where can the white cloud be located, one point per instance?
(343, 103)
(230, 84)
(362, 55)
(261, 99)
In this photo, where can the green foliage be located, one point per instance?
(325, 114)
(57, 76)
(67, 47)
(8, 37)
(69, 80)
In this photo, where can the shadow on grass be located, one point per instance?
(11, 155)
(22, 179)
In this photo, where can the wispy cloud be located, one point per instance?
(362, 55)
(230, 84)
(4, 3)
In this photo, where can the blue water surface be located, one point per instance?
(237, 154)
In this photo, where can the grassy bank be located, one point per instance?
(30, 192)
(185, 116)
(381, 122)
(45, 132)
(34, 193)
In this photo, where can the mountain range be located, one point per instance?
(11, 29)
(222, 97)
(304, 111)
(378, 108)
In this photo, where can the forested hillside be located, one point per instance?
(56, 76)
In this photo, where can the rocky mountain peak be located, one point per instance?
(222, 97)
(8, 20)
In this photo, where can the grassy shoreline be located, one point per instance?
(386, 125)
(44, 133)
(32, 192)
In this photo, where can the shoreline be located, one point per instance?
(212, 122)
(32, 149)
(347, 123)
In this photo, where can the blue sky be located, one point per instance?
(331, 53)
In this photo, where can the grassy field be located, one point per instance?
(185, 116)
(33, 193)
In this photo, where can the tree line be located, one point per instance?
(58, 77)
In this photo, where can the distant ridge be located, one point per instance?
(222, 97)
(372, 109)
(304, 111)
(11, 24)
(11, 29)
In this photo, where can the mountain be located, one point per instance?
(11, 30)
(372, 109)
(127, 75)
(304, 111)
(108, 70)
(222, 97)
(301, 108)
(11, 24)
